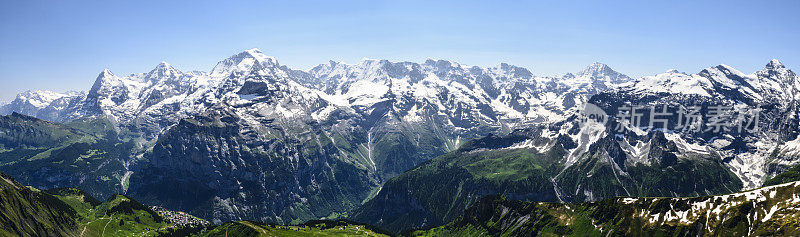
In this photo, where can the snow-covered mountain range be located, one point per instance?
(271, 143)
(465, 96)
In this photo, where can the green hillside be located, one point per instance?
(86, 154)
(25, 211)
(311, 228)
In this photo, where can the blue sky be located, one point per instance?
(63, 45)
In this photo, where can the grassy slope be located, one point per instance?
(119, 216)
(313, 228)
(26, 211)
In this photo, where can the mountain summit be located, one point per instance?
(163, 71)
(243, 62)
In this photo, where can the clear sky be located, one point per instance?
(63, 45)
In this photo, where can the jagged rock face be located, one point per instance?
(219, 168)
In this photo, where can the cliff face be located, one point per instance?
(213, 167)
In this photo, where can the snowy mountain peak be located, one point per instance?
(326, 68)
(600, 70)
(105, 74)
(441, 63)
(600, 73)
(596, 68)
(774, 64)
(254, 51)
(675, 82)
(244, 62)
(729, 77)
(373, 63)
(675, 71)
(726, 68)
(441, 66)
(162, 71)
(777, 82)
(40, 103)
(163, 66)
(516, 71)
(39, 98)
(776, 71)
(259, 56)
(722, 71)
